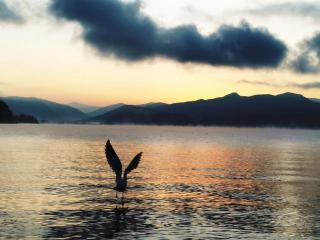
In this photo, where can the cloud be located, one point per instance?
(301, 9)
(305, 86)
(120, 29)
(197, 13)
(262, 83)
(8, 15)
(308, 60)
(310, 85)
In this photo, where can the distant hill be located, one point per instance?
(104, 110)
(43, 110)
(284, 110)
(107, 109)
(6, 116)
(83, 107)
(152, 104)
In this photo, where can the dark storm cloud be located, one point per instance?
(305, 86)
(8, 15)
(308, 61)
(120, 29)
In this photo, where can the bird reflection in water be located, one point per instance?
(96, 223)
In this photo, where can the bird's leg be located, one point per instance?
(116, 199)
(122, 199)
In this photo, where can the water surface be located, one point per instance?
(193, 182)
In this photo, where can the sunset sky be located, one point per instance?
(101, 52)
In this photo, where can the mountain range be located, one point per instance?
(283, 110)
(43, 110)
(52, 112)
(104, 110)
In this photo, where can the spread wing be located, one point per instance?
(134, 164)
(113, 159)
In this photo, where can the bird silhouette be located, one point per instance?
(115, 164)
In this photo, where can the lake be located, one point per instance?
(192, 183)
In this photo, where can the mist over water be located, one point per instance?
(192, 182)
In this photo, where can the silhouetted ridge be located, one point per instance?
(26, 119)
(232, 95)
(83, 107)
(293, 97)
(283, 110)
(135, 114)
(103, 110)
(6, 115)
(43, 110)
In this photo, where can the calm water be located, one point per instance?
(201, 183)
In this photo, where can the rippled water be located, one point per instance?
(193, 182)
